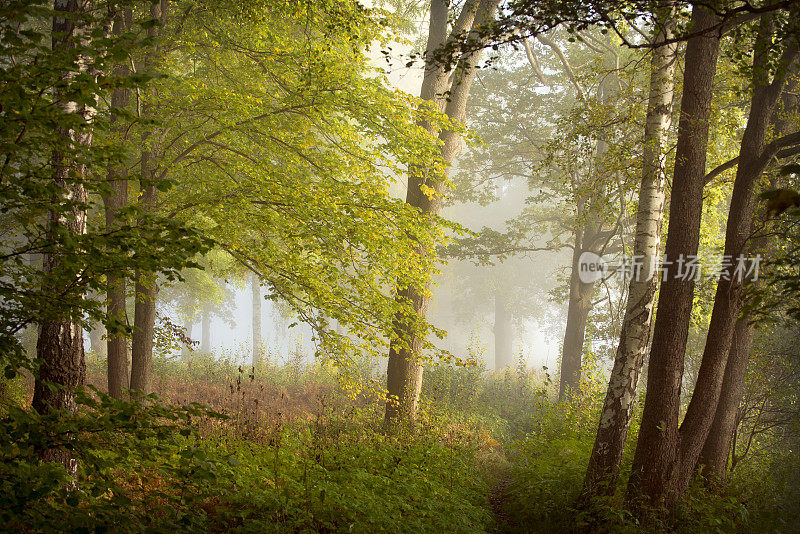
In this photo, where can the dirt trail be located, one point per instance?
(499, 496)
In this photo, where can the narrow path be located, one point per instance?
(499, 496)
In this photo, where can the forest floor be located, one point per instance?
(288, 449)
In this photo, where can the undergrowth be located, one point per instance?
(283, 448)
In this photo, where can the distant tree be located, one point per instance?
(446, 86)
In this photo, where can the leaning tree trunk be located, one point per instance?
(656, 448)
(717, 448)
(731, 289)
(117, 341)
(255, 285)
(754, 157)
(404, 371)
(59, 349)
(615, 417)
(503, 334)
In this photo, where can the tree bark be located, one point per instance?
(503, 334)
(656, 448)
(731, 289)
(717, 448)
(404, 371)
(59, 350)
(615, 417)
(255, 285)
(117, 341)
(146, 285)
(144, 321)
(578, 309)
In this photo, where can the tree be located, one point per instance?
(447, 91)
(146, 288)
(60, 345)
(117, 341)
(658, 435)
(664, 469)
(754, 158)
(618, 406)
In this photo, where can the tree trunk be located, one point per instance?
(144, 320)
(579, 307)
(655, 454)
(404, 372)
(59, 349)
(117, 341)
(503, 334)
(257, 300)
(205, 336)
(721, 438)
(717, 448)
(731, 289)
(589, 238)
(146, 285)
(615, 417)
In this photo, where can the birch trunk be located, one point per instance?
(59, 350)
(615, 417)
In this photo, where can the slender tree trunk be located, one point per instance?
(503, 334)
(615, 417)
(59, 349)
(589, 238)
(717, 448)
(205, 339)
(144, 320)
(117, 341)
(579, 307)
(146, 285)
(656, 448)
(144, 314)
(731, 289)
(255, 284)
(404, 372)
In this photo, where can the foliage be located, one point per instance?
(35, 80)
